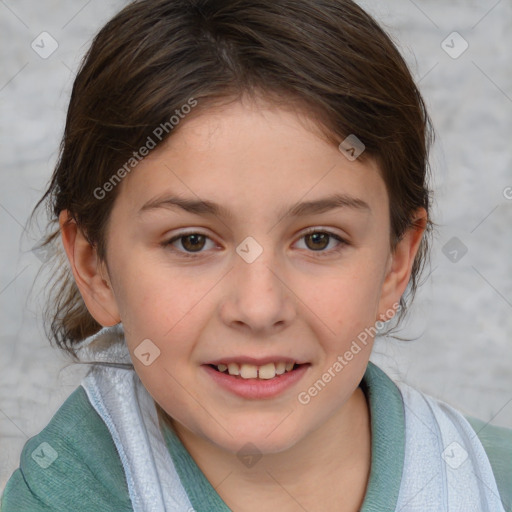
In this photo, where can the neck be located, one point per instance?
(338, 455)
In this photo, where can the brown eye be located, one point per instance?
(323, 243)
(317, 241)
(192, 243)
(189, 245)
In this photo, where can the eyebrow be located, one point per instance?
(199, 207)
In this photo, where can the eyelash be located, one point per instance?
(321, 253)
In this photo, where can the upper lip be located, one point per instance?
(254, 361)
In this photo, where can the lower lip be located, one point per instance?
(257, 389)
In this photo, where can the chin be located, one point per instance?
(247, 438)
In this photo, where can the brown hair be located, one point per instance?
(327, 56)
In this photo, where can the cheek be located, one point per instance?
(345, 301)
(151, 297)
(161, 304)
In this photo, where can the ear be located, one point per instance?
(400, 264)
(90, 273)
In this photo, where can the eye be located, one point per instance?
(190, 242)
(318, 240)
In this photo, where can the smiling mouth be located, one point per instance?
(250, 371)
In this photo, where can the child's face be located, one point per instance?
(292, 303)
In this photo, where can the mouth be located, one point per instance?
(266, 371)
(250, 381)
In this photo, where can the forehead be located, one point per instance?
(249, 156)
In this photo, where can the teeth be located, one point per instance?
(233, 369)
(280, 368)
(248, 371)
(251, 371)
(267, 371)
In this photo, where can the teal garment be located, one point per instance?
(87, 474)
(497, 442)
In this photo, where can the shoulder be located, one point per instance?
(434, 415)
(72, 464)
(497, 442)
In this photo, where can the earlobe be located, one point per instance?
(89, 273)
(401, 263)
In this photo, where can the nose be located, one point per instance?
(258, 299)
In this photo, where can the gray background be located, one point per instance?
(462, 318)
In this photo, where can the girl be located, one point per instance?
(242, 198)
